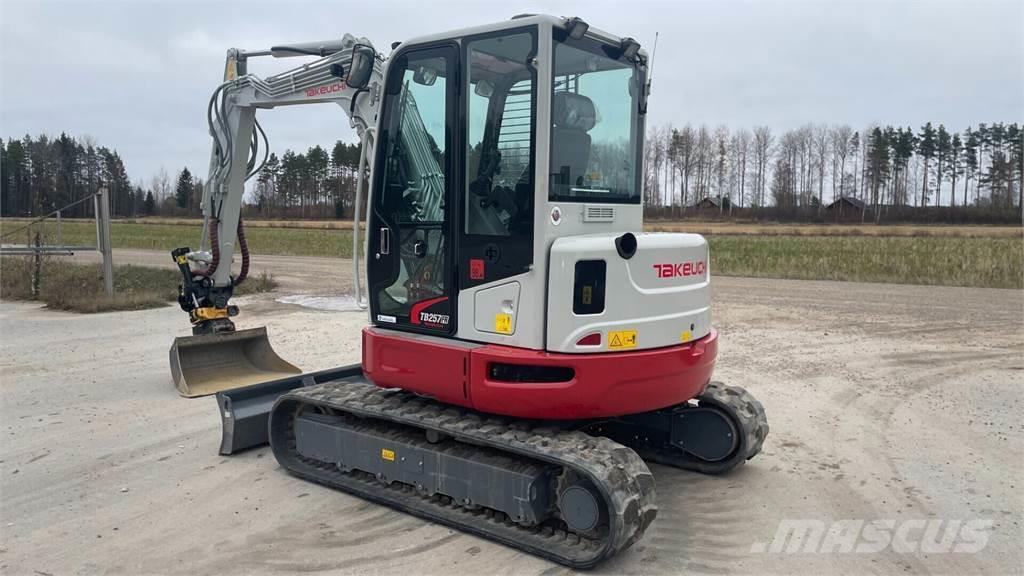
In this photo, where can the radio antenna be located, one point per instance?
(653, 53)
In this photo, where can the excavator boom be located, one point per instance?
(217, 356)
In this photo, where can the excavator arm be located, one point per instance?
(348, 72)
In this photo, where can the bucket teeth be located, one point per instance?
(210, 363)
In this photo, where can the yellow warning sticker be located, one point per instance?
(622, 339)
(685, 337)
(588, 295)
(503, 323)
(388, 455)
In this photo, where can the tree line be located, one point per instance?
(43, 174)
(316, 184)
(40, 175)
(798, 171)
(880, 167)
(313, 184)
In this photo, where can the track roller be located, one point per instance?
(550, 491)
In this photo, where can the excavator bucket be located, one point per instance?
(209, 363)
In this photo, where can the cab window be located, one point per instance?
(500, 138)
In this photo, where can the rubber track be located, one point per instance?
(748, 415)
(616, 471)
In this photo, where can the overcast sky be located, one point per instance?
(137, 76)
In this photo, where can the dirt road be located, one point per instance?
(886, 403)
(295, 274)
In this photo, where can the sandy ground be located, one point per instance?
(885, 403)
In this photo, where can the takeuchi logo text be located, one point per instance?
(695, 268)
(325, 89)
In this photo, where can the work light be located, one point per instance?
(630, 48)
(577, 27)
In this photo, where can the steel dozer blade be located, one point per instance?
(209, 363)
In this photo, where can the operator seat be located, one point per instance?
(572, 116)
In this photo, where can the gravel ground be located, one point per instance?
(886, 403)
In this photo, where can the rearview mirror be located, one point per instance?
(483, 88)
(425, 76)
(361, 69)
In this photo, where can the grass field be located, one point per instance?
(699, 227)
(856, 230)
(937, 255)
(79, 287)
(336, 243)
(982, 262)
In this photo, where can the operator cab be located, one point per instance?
(493, 144)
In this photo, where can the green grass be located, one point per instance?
(993, 262)
(79, 287)
(166, 237)
(981, 262)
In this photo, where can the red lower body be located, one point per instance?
(586, 385)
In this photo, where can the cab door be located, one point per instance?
(411, 273)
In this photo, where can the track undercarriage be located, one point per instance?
(575, 493)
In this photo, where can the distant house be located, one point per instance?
(846, 208)
(711, 203)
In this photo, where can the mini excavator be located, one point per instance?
(529, 349)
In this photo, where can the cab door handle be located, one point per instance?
(385, 240)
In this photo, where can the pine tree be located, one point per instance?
(878, 165)
(983, 135)
(855, 152)
(183, 191)
(942, 146)
(1016, 139)
(266, 185)
(955, 165)
(926, 148)
(149, 205)
(970, 159)
(5, 186)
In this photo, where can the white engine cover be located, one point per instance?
(661, 296)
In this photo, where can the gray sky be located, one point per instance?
(137, 76)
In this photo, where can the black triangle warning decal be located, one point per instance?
(615, 341)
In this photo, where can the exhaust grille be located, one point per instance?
(598, 214)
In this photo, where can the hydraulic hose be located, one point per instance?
(215, 248)
(244, 248)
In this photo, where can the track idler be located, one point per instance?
(724, 428)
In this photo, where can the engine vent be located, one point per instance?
(598, 214)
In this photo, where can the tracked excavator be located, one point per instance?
(529, 349)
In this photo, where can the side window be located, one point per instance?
(499, 146)
(595, 124)
(416, 156)
(411, 280)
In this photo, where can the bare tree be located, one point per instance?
(820, 140)
(839, 138)
(721, 165)
(685, 142)
(763, 140)
(652, 164)
(161, 185)
(740, 148)
(705, 159)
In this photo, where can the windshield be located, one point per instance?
(595, 124)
